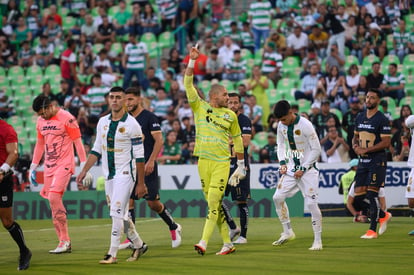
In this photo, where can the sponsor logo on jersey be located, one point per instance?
(52, 128)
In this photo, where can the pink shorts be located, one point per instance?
(57, 183)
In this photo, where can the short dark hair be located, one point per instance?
(235, 95)
(40, 102)
(136, 91)
(377, 91)
(375, 63)
(117, 89)
(281, 109)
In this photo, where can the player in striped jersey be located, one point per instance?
(298, 150)
(215, 124)
(119, 144)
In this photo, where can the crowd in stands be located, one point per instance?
(322, 56)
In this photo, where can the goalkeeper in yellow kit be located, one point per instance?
(215, 124)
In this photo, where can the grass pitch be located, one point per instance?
(344, 252)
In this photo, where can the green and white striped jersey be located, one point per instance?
(136, 55)
(261, 15)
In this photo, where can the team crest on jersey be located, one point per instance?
(269, 176)
(226, 116)
(105, 127)
(122, 130)
(297, 132)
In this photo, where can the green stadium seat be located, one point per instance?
(246, 54)
(390, 58)
(148, 38)
(205, 86)
(390, 42)
(113, 10)
(304, 105)
(97, 47)
(166, 40)
(68, 22)
(286, 86)
(409, 84)
(391, 105)
(349, 60)
(260, 139)
(15, 72)
(337, 112)
(274, 96)
(228, 84)
(368, 60)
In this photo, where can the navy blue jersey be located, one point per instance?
(246, 129)
(370, 130)
(149, 123)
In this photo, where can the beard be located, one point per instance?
(372, 106)
(132, 109)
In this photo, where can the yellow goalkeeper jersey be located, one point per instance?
(214, 127)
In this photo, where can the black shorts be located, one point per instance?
(153, 186)
(6, 192)
(371, 173)
(241, 192)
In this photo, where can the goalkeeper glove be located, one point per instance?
(238, 174)
(32, 174)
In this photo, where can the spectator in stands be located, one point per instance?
(186, 10)
(174, 60)
(6, 106)
(47, 91)
(247, 37)
(254, 112)
(167, 11)
(339, 95)
(68, 65)
(101, 64)
(377, 43)
(278, 40)
(44, 52)
(86, 128)
(53, 32)
(352, 77)
(225, 22)
(12, 13)
(236, 69)
(260, 15)
(161, 71)
(226, 52)
(161, 105)
(401, 41)
(371, 7)
(21, 32)
(216, 33)
(348, 122)
(311, 59)
(350, 31)
(335, 148)
(331, 78)
(284, 8)
(382, 20)
(359, 42)
(96, 96)
(105, 31)
(149, 20)
(150, 74)
(297, 43)
(215, 66)
(272, 63)
(320, 120)
(88, 30)
(53, 14)
(362, 88)
(121, 18)
(319, 40)
(207, 46)
(181, 139)
(332, 26)
(335, 59)
(351, 8)
(375, 78)
(399, 142)
(393, 84)
(166, 124)
(384, 104)
(171, 152)
(98, 19)
(304, 19)
(397, 124)
(309, 85)
(26, 55)
(258, 84)
(63, 93)
(75, 101)
(235, 33)
(393, 12)
(403, 153)
(183, 110)
(86, 60)
(134, 23)
(114, 56)
(34, 21)
(80, 21)
(268, 154)
(134, 61)
(189, 128)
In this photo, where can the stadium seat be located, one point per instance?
(391, 105)
(68, 22)
(274, 96)
(113, 10)
(368, 60)
(35, 75)
(14, 72)
(286, 86)
(148, 38)
(408, 63)
(97, 47)
(390, 58)
(407, 100)
(205, 86)
(290, 63)
(52, 72)
(304, 105)
(337, 112)
(409, 84)
(166, 40)
(390, 42)
(350, 60)
(246, 54)
(260, 139)
(228, 84)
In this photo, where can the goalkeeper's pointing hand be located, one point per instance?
(238, 174)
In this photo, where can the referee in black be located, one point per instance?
(8, 158)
